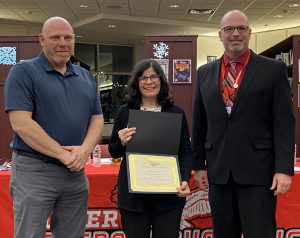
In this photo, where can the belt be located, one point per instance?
(42, 157)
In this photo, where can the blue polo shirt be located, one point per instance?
(61, 104)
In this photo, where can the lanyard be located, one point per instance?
(238, 77)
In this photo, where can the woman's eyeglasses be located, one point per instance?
(153, 78)
(231, 29)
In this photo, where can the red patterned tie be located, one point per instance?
(228, 85)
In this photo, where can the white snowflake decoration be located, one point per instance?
(161, 50)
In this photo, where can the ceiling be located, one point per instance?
(130, 20)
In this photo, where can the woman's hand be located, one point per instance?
(184, 189)
(126, 134)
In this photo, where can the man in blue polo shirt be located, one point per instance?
(56, 116)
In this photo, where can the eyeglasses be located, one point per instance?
(153, 78)
(231, 29)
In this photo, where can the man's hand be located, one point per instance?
(201, 179)
(281, 183)
(79, 156)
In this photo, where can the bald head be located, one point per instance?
(53, 21)
(233, 14)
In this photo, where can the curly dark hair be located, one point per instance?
(134, 95)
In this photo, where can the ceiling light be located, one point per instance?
(78, 36)
(201, 11)
(174, 6)
(294, 5)
(28, 12)
(83, 6)
(278, 16)
(111, 26)
(114, 6)
(285, 11)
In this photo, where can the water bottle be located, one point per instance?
(97, 156)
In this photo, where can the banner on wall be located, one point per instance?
(195, 222)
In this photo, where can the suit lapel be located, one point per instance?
(248, 78)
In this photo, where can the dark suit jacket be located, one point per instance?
(257, 139)
(134, 201)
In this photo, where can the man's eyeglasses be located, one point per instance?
(231, 29)
(153, 78)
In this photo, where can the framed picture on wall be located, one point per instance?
(164, 63)
(211, 58)
(182, 71)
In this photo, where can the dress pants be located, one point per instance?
(242, 209)
(162, 224)
(40, 190)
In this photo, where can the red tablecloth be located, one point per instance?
(103, 220)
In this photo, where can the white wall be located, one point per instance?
(208, 46)
(293, 31)
(267, 39)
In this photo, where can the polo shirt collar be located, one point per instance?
(49, 67)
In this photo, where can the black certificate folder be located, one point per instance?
(151, 155)
(156, 132)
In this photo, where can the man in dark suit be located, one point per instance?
(243, 134)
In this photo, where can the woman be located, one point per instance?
(148, 90)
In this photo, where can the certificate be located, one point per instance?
(149, 173)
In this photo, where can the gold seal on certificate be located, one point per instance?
(153, 173)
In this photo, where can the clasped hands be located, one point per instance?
(75, 157)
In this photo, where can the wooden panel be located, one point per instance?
(4, 69)
(28, 50)
(180, 47)
(5, 128)
(184, 98)
(26, 47)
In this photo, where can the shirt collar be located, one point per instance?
(242, 59)
(49, 67)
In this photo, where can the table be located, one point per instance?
(103, 220)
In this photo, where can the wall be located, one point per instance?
(19, 29)
(293, 31)
(267, 39)
(208, 46)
